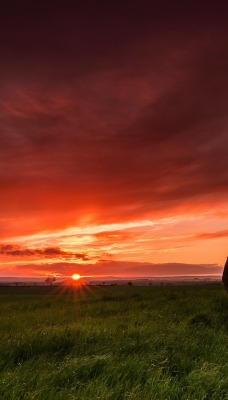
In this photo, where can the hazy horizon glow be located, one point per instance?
(113, 155)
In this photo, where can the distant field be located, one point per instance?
(148, 343)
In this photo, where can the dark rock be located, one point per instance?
(225, 275)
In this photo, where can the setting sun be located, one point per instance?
(76, 277)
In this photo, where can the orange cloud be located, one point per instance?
(212, 235)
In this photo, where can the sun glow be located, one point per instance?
(76, 277)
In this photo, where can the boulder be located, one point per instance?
(225, 275)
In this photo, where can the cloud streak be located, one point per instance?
(48, 252)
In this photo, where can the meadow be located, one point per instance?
(114, 343)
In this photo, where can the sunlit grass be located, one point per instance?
(151, 343)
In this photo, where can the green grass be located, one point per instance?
(149, 343)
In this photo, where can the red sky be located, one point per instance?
(113, 128)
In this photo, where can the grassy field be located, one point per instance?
(149, 343)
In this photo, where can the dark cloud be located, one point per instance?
(121, 268)
(48, 252)
(118, 112)
(164, 269)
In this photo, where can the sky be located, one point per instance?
(113, 138)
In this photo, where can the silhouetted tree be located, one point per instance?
(50, 280)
